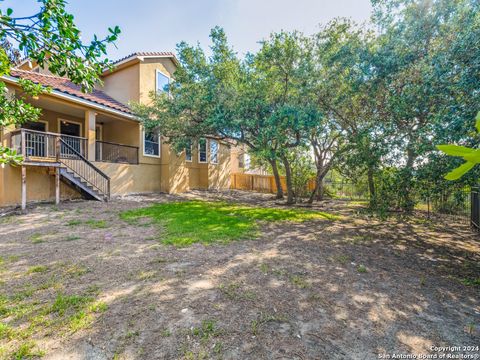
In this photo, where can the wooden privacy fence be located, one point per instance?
(261, 183)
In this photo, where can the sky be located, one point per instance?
(158, 25)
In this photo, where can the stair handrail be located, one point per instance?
(60, 142)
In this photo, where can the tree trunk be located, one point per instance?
(322, 171)
(320, 190)
(276, 175)
(315, 190)
(288, 176)
(406, 188)
(371, 183)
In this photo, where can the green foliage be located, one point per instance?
(303, 170)
(256, 101)
(52, 40)
(470, 155)
(188, 222)
(371, 105)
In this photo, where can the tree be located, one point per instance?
(471, 156)
(341, 87)
(427, 75)
(254, 101)
(51, 39)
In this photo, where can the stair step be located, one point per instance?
(81, 184)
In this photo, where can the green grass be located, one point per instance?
(36, 238)
(204, 222)
(73, 222)
(96, 224)
(37, 269)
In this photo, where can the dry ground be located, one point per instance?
(347, 289)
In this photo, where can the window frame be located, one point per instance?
(241, 160)
(159, 146)
(157, 71)
(206, 151)
(59, 126)
(191, 153)
(210, 151)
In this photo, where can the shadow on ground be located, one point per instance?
(347, 289)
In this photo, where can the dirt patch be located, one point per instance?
(348, 289)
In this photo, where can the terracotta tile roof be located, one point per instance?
(66, 86)
(147, 53)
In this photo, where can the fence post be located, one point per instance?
(251, 176)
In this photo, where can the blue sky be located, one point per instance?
(158, 25)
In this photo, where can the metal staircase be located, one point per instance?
(79, 173)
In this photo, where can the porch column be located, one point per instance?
(57, 186)
(90, 122)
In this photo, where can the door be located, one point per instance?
(72, 132)
(98, 143)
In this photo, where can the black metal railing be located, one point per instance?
(116, 153)
(39, 144)
(83, 168)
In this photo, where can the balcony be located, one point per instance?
(116, 153)
(44, 146)
(38, 146)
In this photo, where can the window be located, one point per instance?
(202, 150)
(151, 143)
(213, 151)
(162, 81)
(241, 160)
(188, 152)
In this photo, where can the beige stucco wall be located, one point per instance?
(236, 151)
(219, 174)
(122, 132)
(123, 85)
(40, 185)
(129, 179)
(148, 69)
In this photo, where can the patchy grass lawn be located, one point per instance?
(206, 222)
(91, 280)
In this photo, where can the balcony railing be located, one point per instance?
(38, 144)
(116, 153)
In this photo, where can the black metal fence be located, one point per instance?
(452, 204)
(455, 204)
(343, 190)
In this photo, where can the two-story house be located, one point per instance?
(92, 145)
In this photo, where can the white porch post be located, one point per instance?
(90, 122)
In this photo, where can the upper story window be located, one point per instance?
(151, 143)
(202, 150)
(214, 151)
(162, 81)
(188, 152)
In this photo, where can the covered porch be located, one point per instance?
(92, 134)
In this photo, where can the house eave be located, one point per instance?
(136, 59)
(77, 100)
